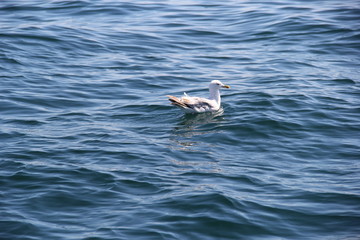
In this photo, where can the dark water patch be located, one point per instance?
(14, 227)
(193, 208)
(10, 8)
(26, 122)
(17, 108)
(57, 102)
(35, 37)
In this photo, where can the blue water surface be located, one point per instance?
(90, 147)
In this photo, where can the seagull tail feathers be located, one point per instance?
(177, 102)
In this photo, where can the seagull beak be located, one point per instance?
(225, 86)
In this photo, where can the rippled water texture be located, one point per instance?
(90, 148)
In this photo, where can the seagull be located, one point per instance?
(200, 105)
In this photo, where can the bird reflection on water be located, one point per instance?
(193, 125)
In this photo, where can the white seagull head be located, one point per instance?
(216, 85)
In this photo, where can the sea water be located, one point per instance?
(90, 147)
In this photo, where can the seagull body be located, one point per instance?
(199, 105)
